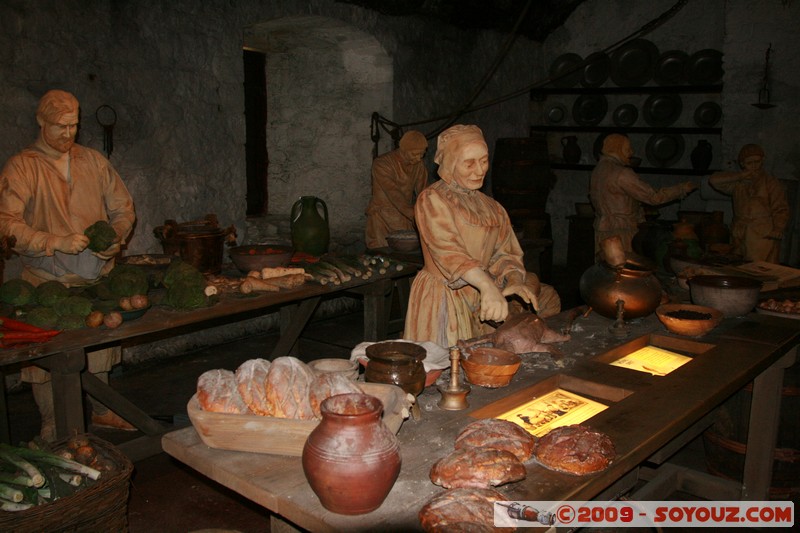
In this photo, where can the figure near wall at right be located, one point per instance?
(760, 208)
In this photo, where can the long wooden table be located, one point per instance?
(65, 355)
(648, 418)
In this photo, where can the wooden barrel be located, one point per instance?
(725, 447)
(521, 177)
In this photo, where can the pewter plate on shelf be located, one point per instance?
(704, 67)
(707, 114)
(664, 149)
(596, 70)
(565, 70)
(662, 110)
(632, 63)
(556, 114)
(590, 109)
(671, 68)
(626, 115)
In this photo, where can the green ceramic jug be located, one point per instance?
(310, 232)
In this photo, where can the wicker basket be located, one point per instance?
(97, 508)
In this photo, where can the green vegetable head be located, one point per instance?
(44, 317)
(101, 236)
(17, 292)
(71, 322)
(50, 293)
(185, 294)
(74, 305)
(127, 280)
(180, 271)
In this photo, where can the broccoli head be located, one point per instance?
(74, 305)
(127, 280)
(17, 292)
(180, 271)
(44, 317)
(101, 236)
(185, 294)
(70, 322)
(50, 293)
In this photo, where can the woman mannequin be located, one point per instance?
(473, 260)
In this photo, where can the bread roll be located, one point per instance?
(497, 434)
(288, 389)
(575, 450)
(461, 510)
(472, 467)
(251, 380)
(328, 384)
(217, 392)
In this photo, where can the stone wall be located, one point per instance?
(172, 72)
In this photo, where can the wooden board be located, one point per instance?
(282, 436)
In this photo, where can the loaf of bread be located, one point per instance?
(472, 467)
(575, 449)
(217, 391)
(328, 384)
(462, 510)
(499, 435)
(251, 380)
(288, 388)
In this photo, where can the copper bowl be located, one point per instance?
(689, 320)
(733, 295)
(490, 367)
(251, 257)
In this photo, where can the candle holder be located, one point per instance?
(454, 396)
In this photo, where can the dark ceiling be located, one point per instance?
(542, 18)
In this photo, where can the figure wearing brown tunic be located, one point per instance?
(461, 229)
(395, 185)
(617, 193)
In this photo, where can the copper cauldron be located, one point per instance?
(634, 283)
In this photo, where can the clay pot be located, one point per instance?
(635, 284)
(351, 459)
(397, 363)
(701, 155)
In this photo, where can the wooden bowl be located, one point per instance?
(689, 320)
(251, 257)
(403, 241)
(490, 367)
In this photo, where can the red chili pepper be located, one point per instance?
(17, 325)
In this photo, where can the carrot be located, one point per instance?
(27, 335)
(18, 325)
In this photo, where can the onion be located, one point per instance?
(139, 301)
(94, 319)
(112, 319)
(125, 304)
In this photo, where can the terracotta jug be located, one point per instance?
(351, 459)
(701, 155)
(571, 152)
(310, 232)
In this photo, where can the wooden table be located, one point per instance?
(648, 419)
(65, 356)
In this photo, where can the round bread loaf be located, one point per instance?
(461, 510)
(217, 392)
(497, 434)
(326, 385)
(288, 388)
(472, 467)
(575, 449)
(251, 380)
